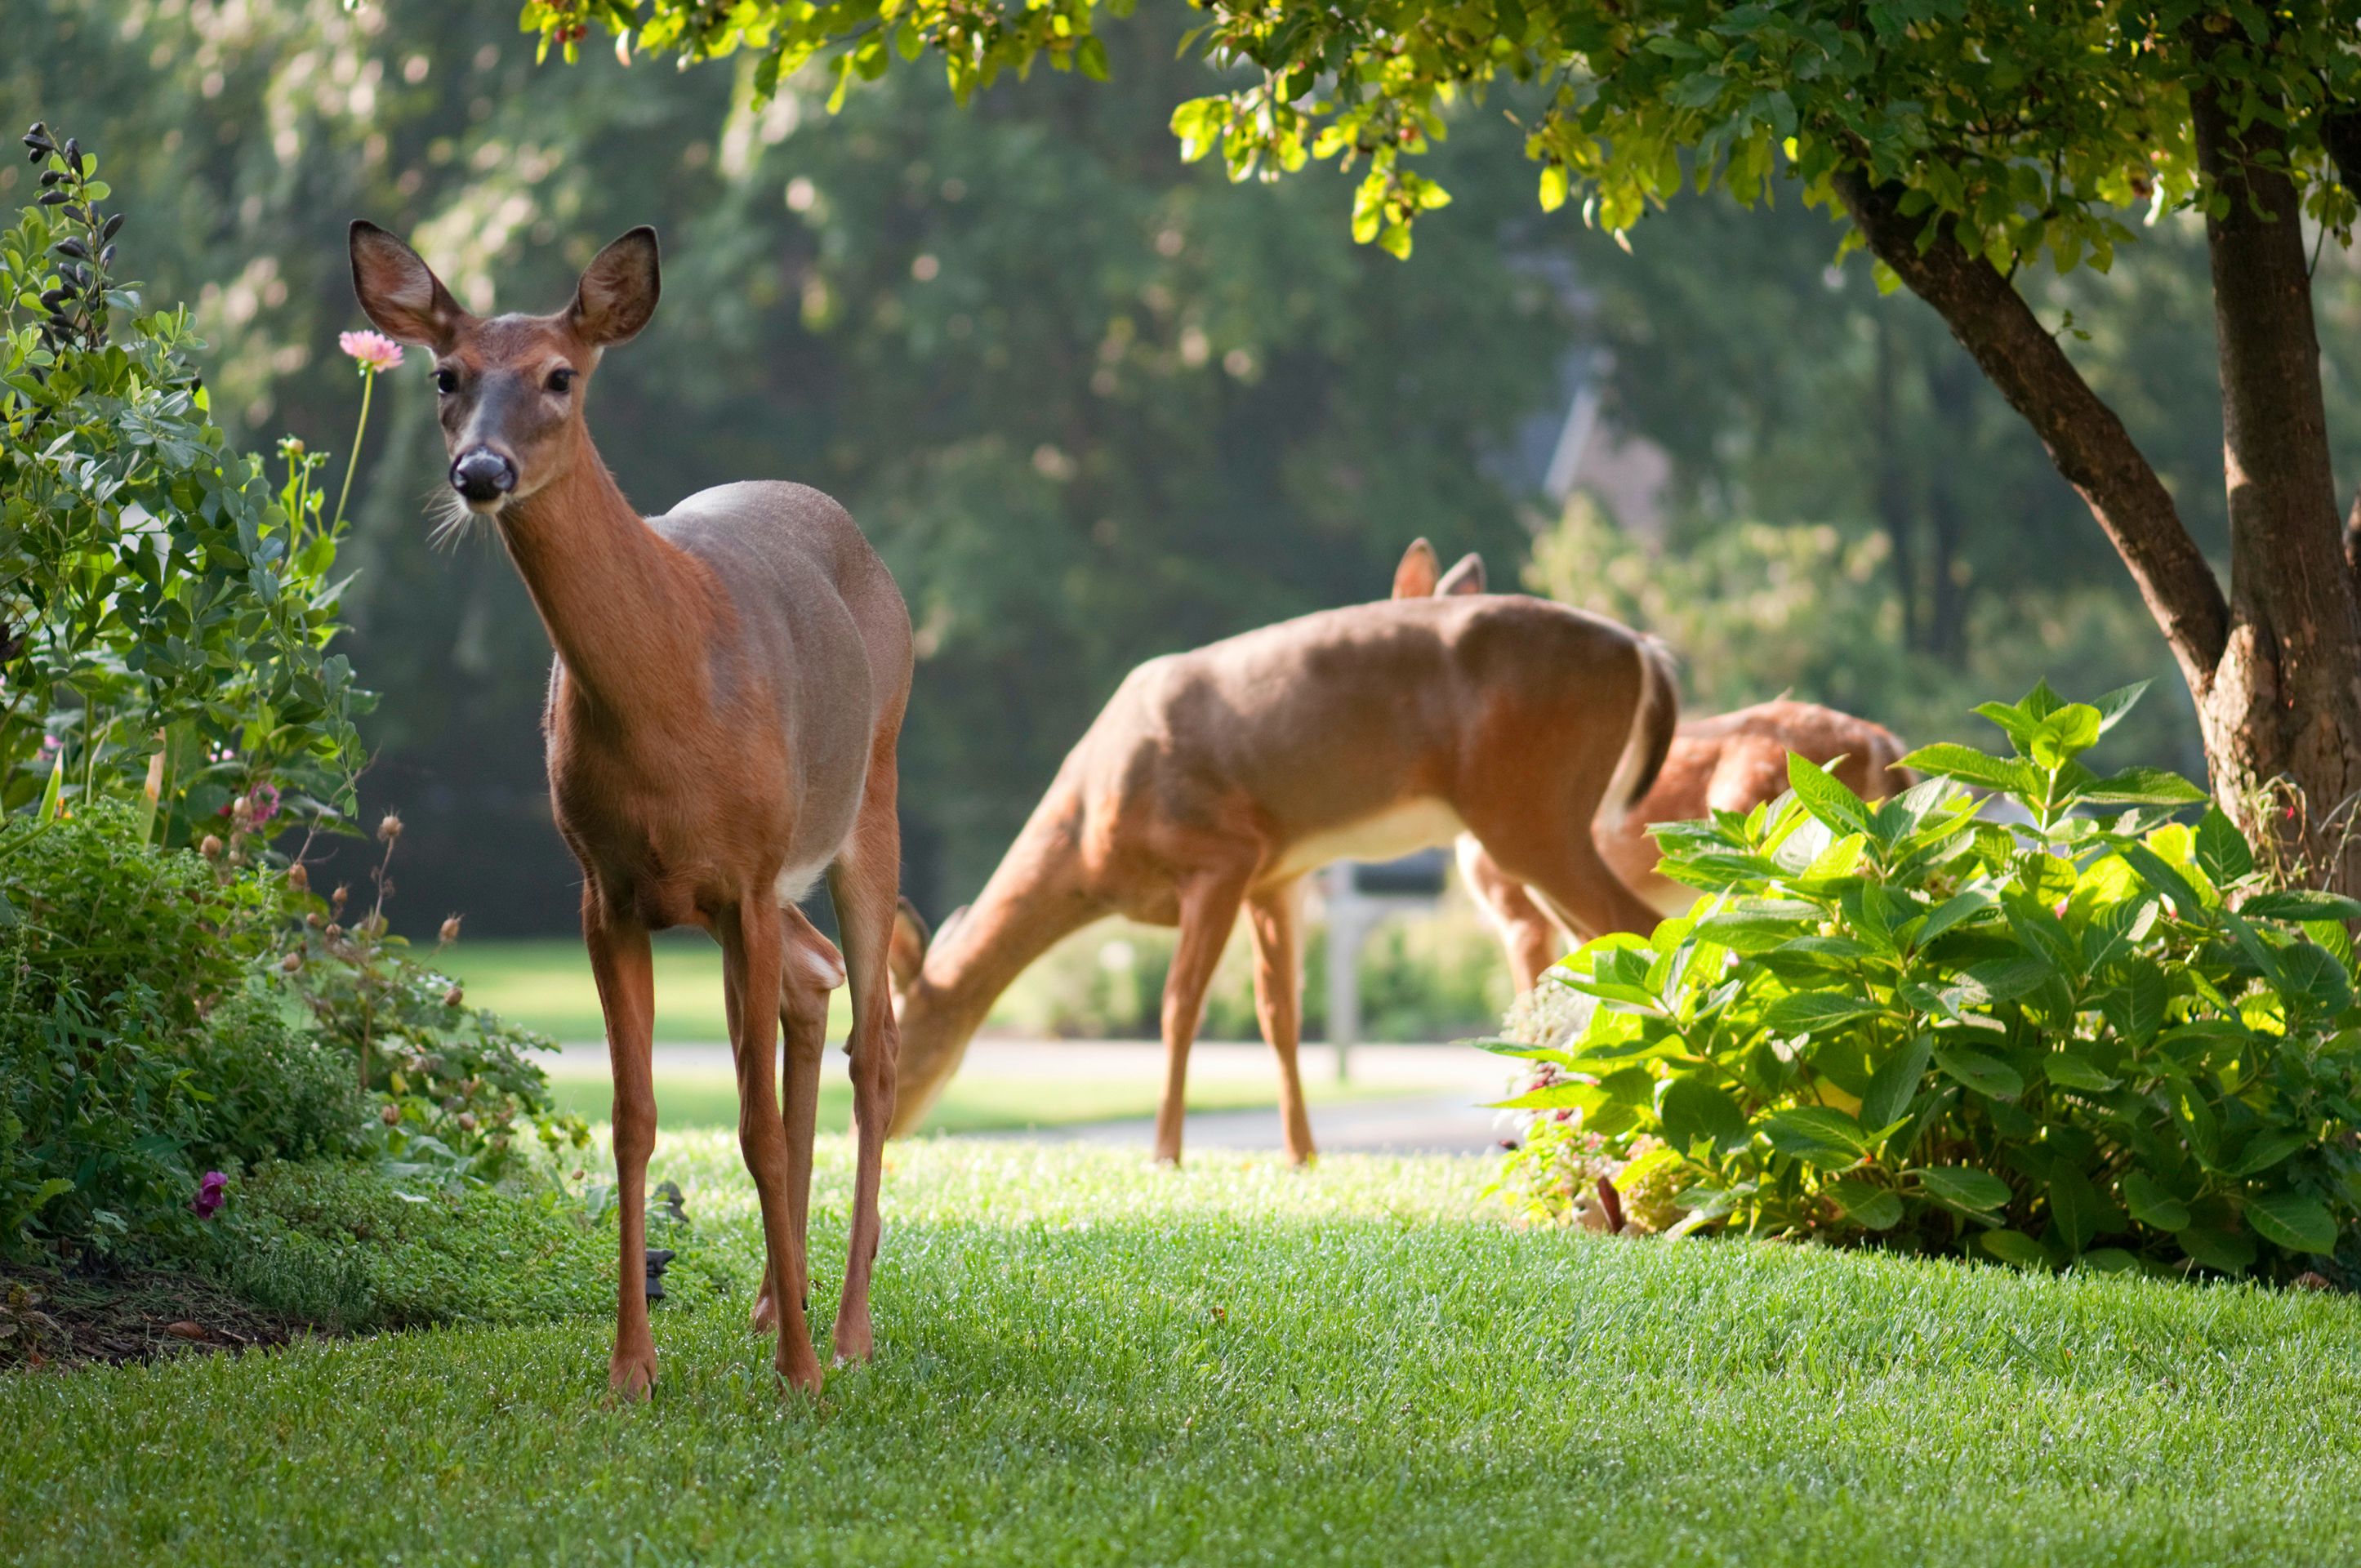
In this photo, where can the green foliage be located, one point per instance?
(134, 1049)
(452, 1083)
(165, 608)
(356, 1249)
(2098, 1037)
(1645, 99)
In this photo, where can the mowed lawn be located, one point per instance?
(1085, 1360)
(547, 986)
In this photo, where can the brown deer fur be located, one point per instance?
(1217, 779)
(729, 685)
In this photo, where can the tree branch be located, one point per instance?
(2086, 440)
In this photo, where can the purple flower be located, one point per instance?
(209, 1195)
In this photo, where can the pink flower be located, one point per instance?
(265, 801)
(209, 1195)
(374, 350)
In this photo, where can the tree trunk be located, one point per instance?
(2285, 702)
(2276, 666)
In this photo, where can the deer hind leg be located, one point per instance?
(1552, 855)
(1209, 909)
(810, 968)
(1277, 916)
(620, 962)
(865, 884)
(753, 950)
(1525, 930)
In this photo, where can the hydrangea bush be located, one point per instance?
(2098, 1037)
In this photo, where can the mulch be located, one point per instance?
(61, 1319)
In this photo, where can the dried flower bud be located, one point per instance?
(210, 847)
(337, 898)
(390, 1114)
(298, 878)
(311, 919)
(334, 930)
(450, 932)
(466, 1121)
(291, 964)
(453, 997)
(389, 828)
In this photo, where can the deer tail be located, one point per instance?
(1654, 718)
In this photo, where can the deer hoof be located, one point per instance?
(631, 1375)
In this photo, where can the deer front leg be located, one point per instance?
(620, 962)
(810, 968)
(751, 937)
(1209, 908)
(1278, 915)
(865, 886)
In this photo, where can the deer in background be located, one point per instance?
(723, 714)
(1218, 778)
(1730, 762)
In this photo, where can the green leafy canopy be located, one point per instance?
(2036, 128)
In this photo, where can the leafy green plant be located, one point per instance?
(2098, 1036)
(165, 610)
(452, 1084)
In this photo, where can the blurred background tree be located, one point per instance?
(1094, 404)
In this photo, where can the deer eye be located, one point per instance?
(560, 379)
(446, 381)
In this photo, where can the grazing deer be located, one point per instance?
(722, 714)
(1220, 777)
(1730, 762)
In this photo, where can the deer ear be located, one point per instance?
(399, 292)
(906, 950)
(618, 292)
(1467, 577)
(1414, 578)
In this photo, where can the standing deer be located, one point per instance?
(1733, 761)
(729, 685)
(1220, 777)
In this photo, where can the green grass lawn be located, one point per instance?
(1086, 1360)
(546, 985)
(691, 1097)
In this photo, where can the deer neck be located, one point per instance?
(623, 607)
(1034, 899)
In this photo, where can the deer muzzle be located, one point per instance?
(482, 475)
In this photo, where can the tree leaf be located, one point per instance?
(1895, 1082)
(2223, 1252)
(2185, 904)
(2016, 1247)
(1818, 1134)
(2143, 786)
(1946, 760)
(2151, 1205)
(2076, 1208)
(1963, 1187)
(2068, 1069)
(2295, 1220)
(2117, 703)
(2223, 852)
(2266, 1149)
(1584, 1097)
(2300, 904)
(1986, 1075)
(1826, 797)
(1692, 1109)
(1873, 1207)
(1807, 1010)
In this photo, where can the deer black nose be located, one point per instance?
(483, 475)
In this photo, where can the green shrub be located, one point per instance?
(165, 610)
(2097, 1039)
(352, 1248)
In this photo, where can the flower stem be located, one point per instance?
(368, 380)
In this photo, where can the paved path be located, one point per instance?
(1411, 1099)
